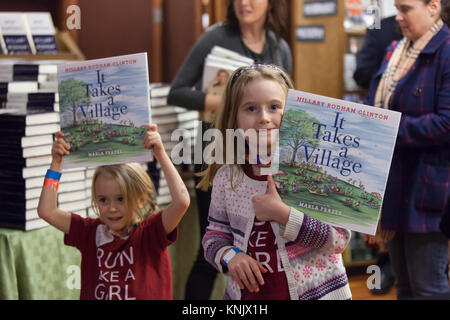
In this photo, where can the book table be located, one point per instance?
(37, 265)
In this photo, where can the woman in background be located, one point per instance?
(415, 80)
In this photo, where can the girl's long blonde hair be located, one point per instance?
(137, 188)
(227, 115)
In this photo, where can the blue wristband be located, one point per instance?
(237, 250)
(225, 263)
(51, 174)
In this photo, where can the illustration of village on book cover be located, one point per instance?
(105, 105)
(334, 158)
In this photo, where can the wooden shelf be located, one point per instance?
(319, 66)
(68, 50)
(361, 33)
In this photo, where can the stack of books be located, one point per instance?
(27, 33)
(25, 146)
(219, 64)
(178, 127)
(29, 117)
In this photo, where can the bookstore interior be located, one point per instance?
(42, 40)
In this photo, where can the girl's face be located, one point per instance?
(111, 202)
(251, 11)
(261, 108)
(415, 17)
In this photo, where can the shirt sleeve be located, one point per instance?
(186, 87)
(313, 233)
(80, 232)
(218, 236)
(155, 234)
(287, 57)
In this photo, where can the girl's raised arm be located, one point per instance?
(47, 208)
(175, 211)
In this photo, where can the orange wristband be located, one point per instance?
(51, 184)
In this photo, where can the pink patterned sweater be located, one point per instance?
(310, 250)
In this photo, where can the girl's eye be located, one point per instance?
(251, 108)
(102, 200)
(274, 107)
(121, 199)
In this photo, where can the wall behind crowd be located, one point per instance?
(165, 29)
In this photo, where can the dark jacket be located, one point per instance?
(445, 222)
(369, 58)
(419, 178)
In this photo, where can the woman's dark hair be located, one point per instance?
(276, 18)
(445, 12)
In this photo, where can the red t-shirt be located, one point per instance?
(136, 268)
(262, 247)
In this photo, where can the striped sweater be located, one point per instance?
(310, 250)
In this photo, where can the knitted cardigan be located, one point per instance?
(310, 250)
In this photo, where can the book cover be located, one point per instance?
(334, 158)
(13, 26)
(217, 70)
(215, 77)
(42, 31)
(218, 67)
(104, 106)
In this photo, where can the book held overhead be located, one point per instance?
(105, 106)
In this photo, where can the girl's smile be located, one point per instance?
(261, 109)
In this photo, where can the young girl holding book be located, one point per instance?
(270, 251)
(124, 252)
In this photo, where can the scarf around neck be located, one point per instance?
(403, 58)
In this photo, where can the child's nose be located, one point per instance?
(265, 117)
